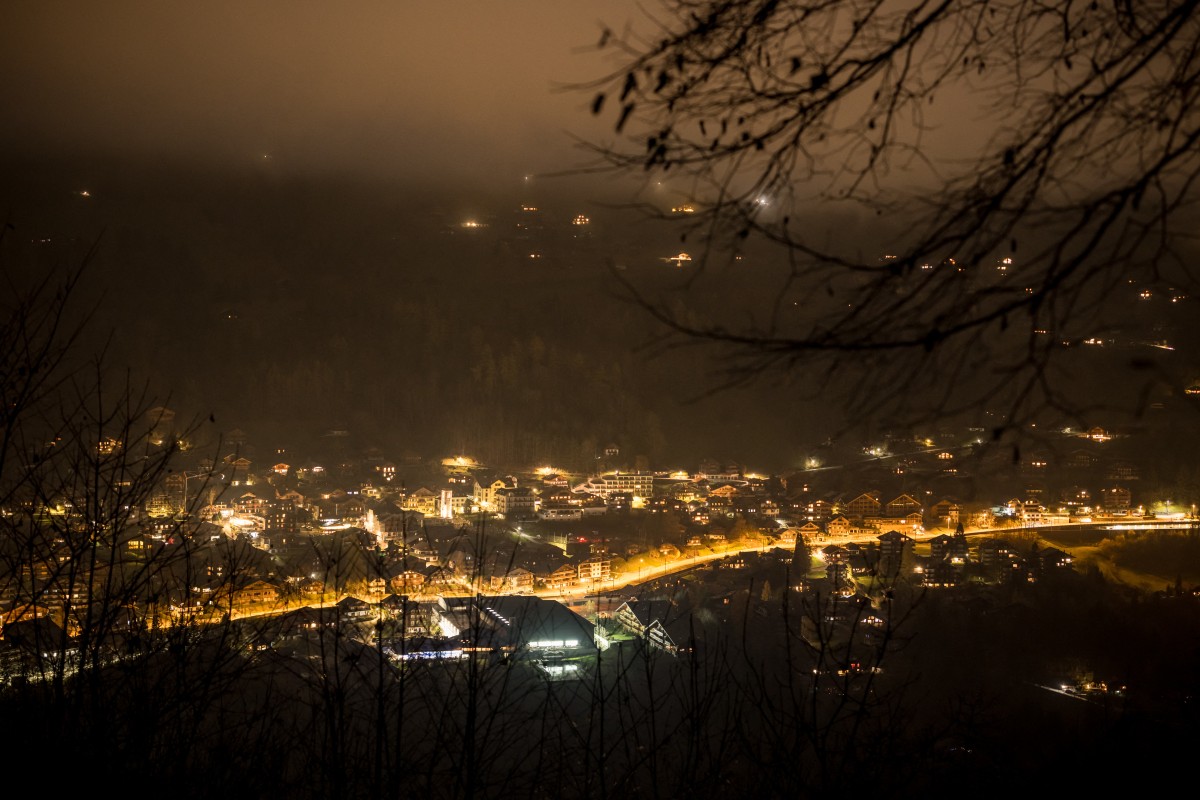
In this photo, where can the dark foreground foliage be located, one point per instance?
(958, 704)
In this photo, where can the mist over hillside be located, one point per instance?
(288, 305)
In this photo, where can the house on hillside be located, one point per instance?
(865, 505)
(904, 505)
(654, 621)
(838, 526)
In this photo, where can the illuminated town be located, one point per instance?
(575, 401)
(423, 536)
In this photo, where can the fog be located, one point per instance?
(451, 92)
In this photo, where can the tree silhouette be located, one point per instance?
(1026, 172)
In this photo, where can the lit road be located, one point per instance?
(642, 575)
(634, 577)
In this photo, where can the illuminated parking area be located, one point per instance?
(561, 672)
(548, 643)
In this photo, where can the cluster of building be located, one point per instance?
(412, 532)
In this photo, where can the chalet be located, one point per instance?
(394, 522)
(484, 494)
(515, 502)
(1031, 512)
(721, 496)
(564, 577)
(442, 579)
(834, 554)
(594, 570)
(513, 581)
(904, 505)
(819, 509)
(997, 557)
(913, 523)
(862, 557)
(749, 504)
(1053, 558)
(942, 573)
(560, 513)
(299, 623)
(809, 530)
(1080, 460)
(253, 502)
(945, 513)
(404, 618)
(1122, 471)
(255, 592)
(839, 575)
(592, 505)
(838, 526)
(33, 640)
(649, 620)
(667, 505)
(948, 548)
(556, 480)
(865, 505)
(407, 582)
(893, 545)
(1115, 498)
(619, 502)
(423, 500)
(238, 470)
(351, 608)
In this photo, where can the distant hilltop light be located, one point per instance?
(580, 219)
(459, 461)
(678, 259)
(470, 224)
(85, 193)
(686, 208)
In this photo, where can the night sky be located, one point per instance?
(437, 90)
